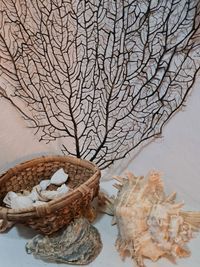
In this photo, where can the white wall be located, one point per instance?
(17, 142)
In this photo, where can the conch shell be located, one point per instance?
(150, 224)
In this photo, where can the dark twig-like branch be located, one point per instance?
(103, 76)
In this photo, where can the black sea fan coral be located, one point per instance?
(102, 75)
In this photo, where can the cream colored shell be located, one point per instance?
(150, 224)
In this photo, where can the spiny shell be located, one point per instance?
(79, 243)
(150, 224)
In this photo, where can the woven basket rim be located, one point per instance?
(54, 204)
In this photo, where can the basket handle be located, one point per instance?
(84, 189)
(4, 223)
(42, 210)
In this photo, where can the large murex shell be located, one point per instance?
(79, 243)
(150, 224)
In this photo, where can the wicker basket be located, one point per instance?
(53, 215)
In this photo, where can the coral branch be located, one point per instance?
(102, 75)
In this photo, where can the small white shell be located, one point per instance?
(44, 184)
(48, 195)
(59, 177)
(37, 188)
(34, 195)
(9, 196)
(63, 189)
(20, 202)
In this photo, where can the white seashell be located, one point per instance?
(20, 202)
(44, 184)
(48, 195)
(59, 177)
(34, 195)
(37, 188)
(63, 189)
(9, 196)
(38, 203)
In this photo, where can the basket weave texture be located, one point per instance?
(48, 218)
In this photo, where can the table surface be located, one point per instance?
(12, 246)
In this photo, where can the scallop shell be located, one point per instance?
(79, 243)
(59, 177)
(150, 224)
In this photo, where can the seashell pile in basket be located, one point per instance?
(48, 218)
